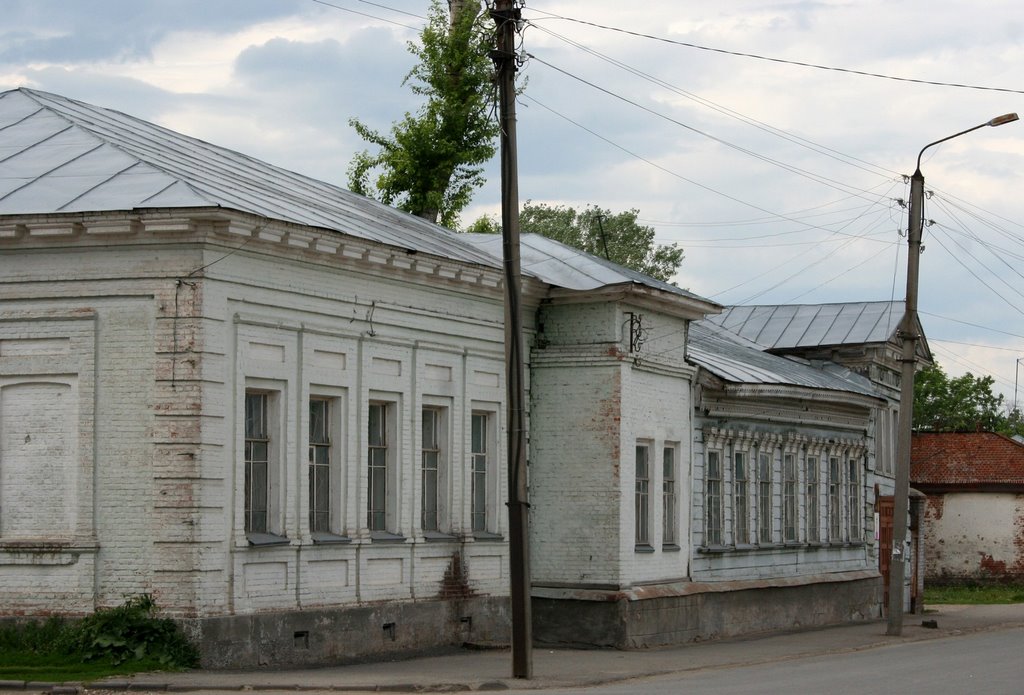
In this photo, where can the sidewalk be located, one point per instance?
(491, 670)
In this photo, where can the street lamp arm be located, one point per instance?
(998, 120)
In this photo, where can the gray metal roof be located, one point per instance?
(740, 361)
(58, 155)
(564, 266)
(789, 326)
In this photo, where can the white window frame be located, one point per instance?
(381, 467)
(835, 497)
(670, 495)
(270, 529)
(434, 462)
(334, 445)
(765, 496)
(642, 496)
(854, 500)
(812, 498)
(713, 497)
(790, 509)
(741, 497)
(483, 473)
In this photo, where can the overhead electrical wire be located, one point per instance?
(760, 125)
(783, 61)
(817, 178)
(675, 174)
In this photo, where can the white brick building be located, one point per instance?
(279, 408)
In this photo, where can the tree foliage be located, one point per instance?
(959, 404)
(432, 160)
(615, 236)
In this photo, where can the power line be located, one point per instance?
(365, 14)
(760, 125)
(782, 60)
(823, 180)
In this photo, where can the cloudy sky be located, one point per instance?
(783, 182)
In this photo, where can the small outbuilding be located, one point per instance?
(974, 519)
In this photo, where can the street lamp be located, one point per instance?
(908, 331)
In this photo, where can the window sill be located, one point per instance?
(386, 537)
(325, 538)
(487, 536)
(670, 548)
(264, 540)
(438, 537)
(643, 549)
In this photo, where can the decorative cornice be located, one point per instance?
(214, 225)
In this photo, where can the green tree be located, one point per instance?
(615, 236)
(957, 404)
(431, 161)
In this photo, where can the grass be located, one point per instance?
(974, 594)
(55, 668)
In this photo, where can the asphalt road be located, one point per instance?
(989, 663)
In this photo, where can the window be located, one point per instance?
(811, 482)
(835, 499)
(853, 500)
(669, 519)
(789, 483)
(378, 470)
(642, 501)
(741, 509)
(764, 497)
(713, 498)
(432, 421)
(479, 464)
(257, 462)
(320, 478)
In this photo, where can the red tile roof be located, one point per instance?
(965, 458)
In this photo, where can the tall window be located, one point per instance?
(789, 483)
(853, 499)
(835, 498)
(811, 480)
(319, 465)
(430, 468)
(377, 467)
(669, 520)
(257, 462)
(713, 498)
(642, 501)
(764, 497)
(741, 509)
(479, 460)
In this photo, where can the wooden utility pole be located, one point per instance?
(506, 15)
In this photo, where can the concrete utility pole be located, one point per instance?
(506, 14)
(908, 331)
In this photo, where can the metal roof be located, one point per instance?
(58, 155)
(564, 266)
(813, 325)
(740, 361)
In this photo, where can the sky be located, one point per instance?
(746, 131)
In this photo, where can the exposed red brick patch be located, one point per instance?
(992, 566)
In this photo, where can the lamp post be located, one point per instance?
(908, 331)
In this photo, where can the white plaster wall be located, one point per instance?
(974, 535)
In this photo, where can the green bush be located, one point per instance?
(130, 632)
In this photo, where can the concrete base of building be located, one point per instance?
(684, 612)
(330, 636)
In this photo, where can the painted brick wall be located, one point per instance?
(154, 362)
